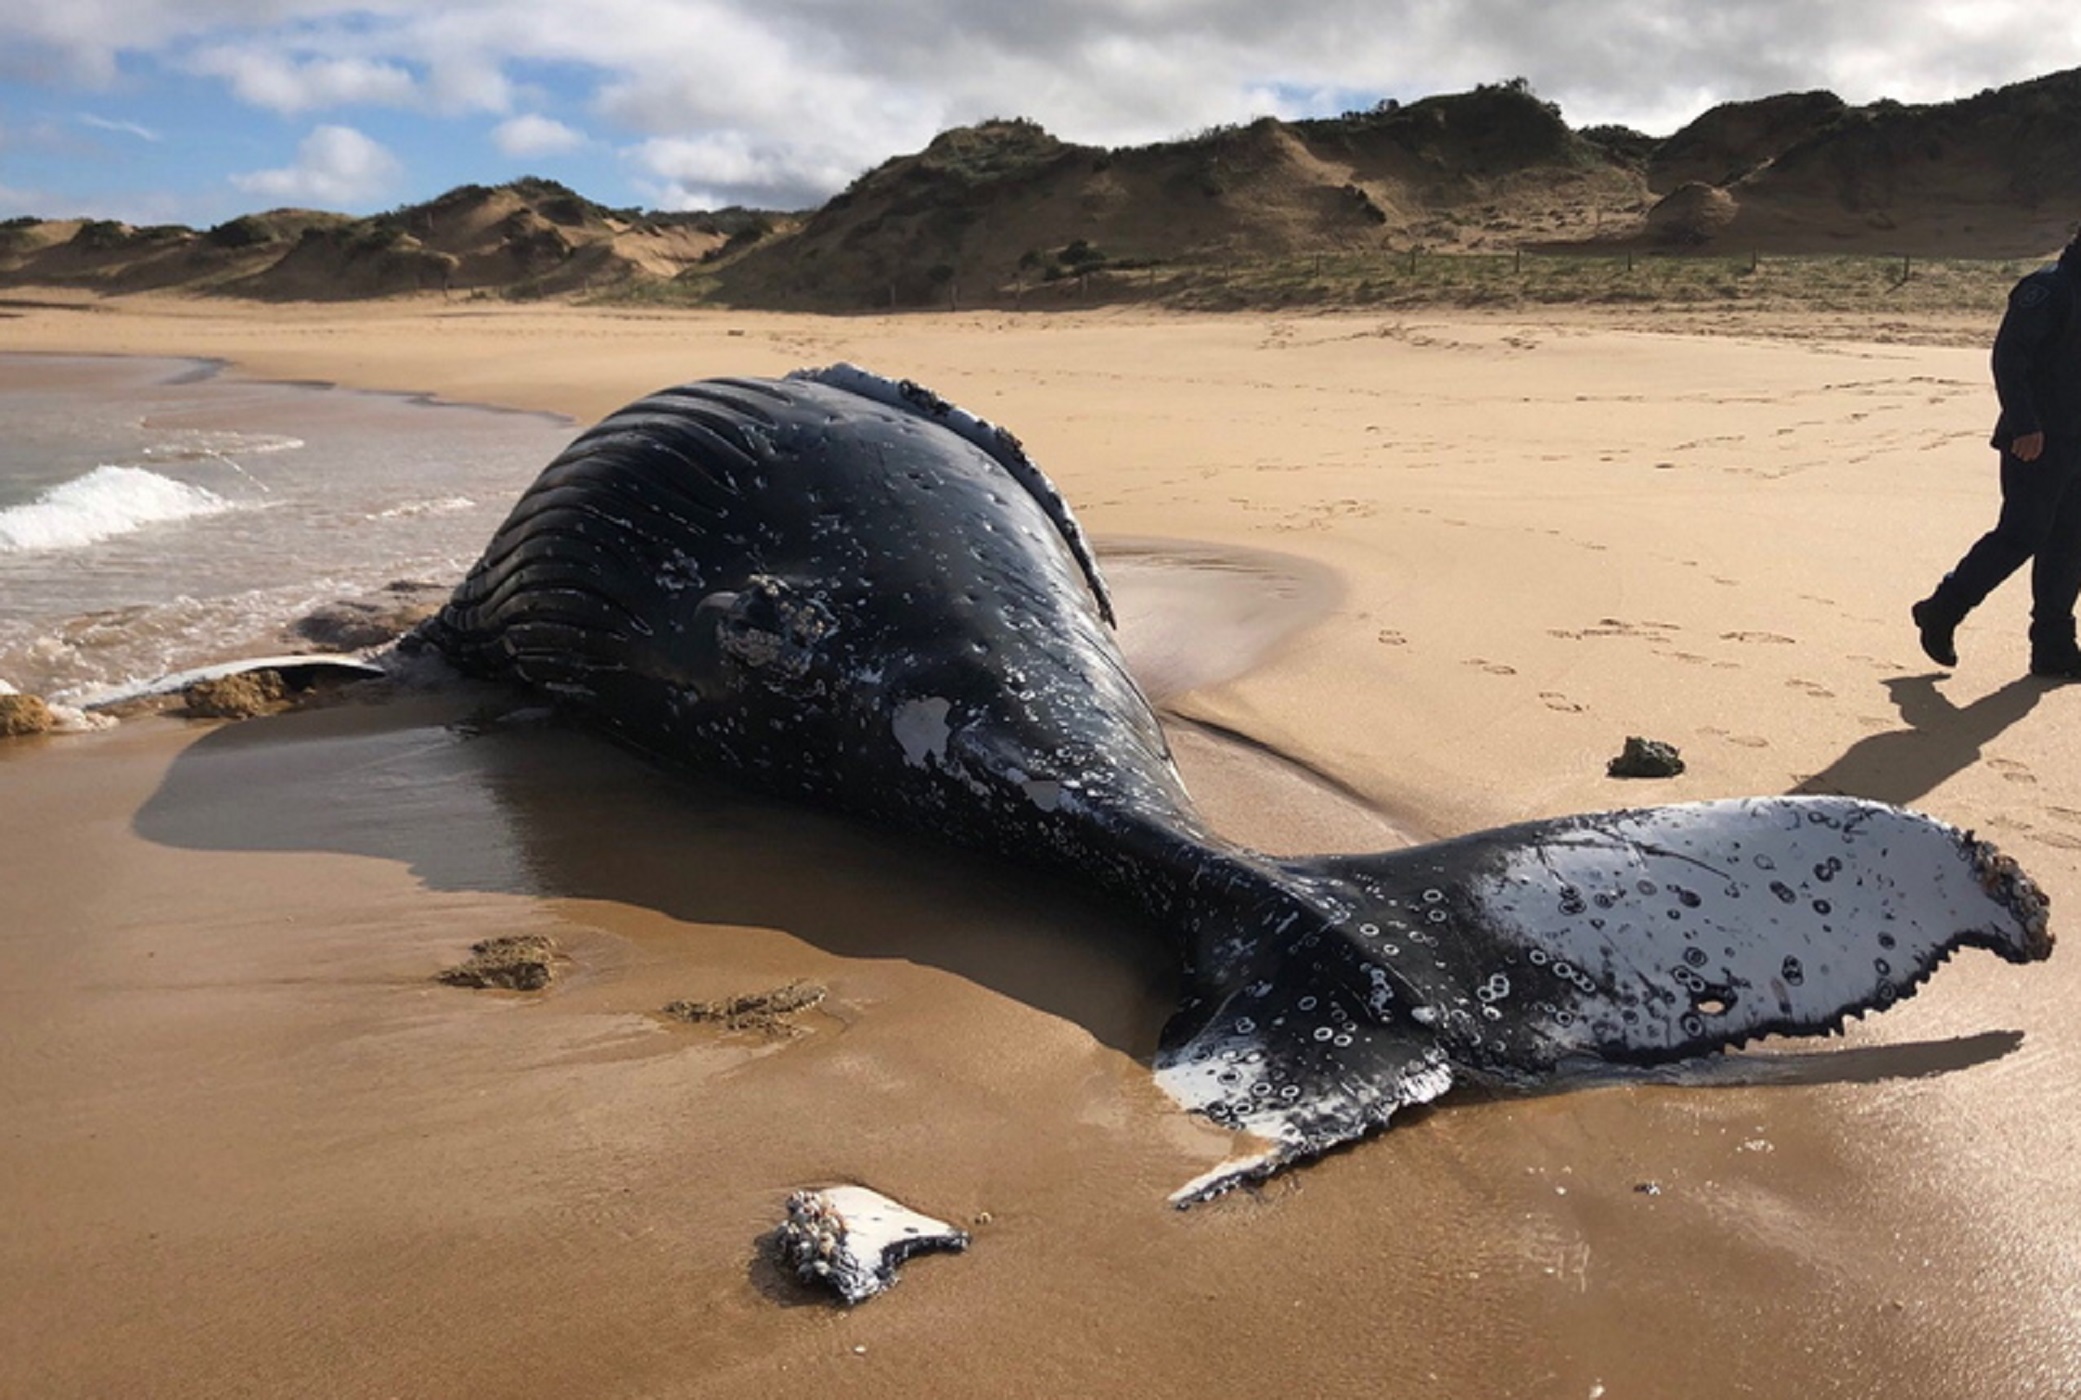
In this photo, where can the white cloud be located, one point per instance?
(710, 172)
(468, 82)
(142, 133)
(533, 135)
(280, 82)
(336, 167)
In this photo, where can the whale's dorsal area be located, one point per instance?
(994, 440)
(840, 588)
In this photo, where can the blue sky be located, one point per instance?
(192, 111)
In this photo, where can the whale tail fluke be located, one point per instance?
(1553, 949)
(1299, 1067)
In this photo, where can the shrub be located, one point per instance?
(245, 231)
(100, 235)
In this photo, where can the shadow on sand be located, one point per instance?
(474, 793)
(1941, 741)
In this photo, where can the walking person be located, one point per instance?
(2037, 377)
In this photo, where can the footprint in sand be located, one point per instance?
(1616, 627)
(1769, 638)
(1746, 741)
(2061, 840)
(1557, 701)
(1393, 639)
(1494, 668)
(2011, 771)
(1819, 692)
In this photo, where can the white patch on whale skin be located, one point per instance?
(921, 727)
(1043, 793)
(1286, 1122)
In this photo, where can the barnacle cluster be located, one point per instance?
(2005, 882)
(852, 1239)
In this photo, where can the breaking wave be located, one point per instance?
(106, 502)
(444, 506)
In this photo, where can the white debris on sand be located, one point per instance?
(852, 1239)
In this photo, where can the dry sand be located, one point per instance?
(251, 1147)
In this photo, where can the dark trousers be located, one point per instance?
(2041, 522)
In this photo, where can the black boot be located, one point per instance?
(2054, 656)
(1936, 624)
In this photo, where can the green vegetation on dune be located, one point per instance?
(1848, 284)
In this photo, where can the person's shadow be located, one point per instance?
(1900, 766)
(1941, 741)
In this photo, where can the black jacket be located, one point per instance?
(2037, 353)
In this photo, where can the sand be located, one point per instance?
(252, 1146)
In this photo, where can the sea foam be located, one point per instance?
(107, 501)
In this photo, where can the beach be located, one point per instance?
(254, 1147)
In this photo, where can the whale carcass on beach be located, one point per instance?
(841, 588)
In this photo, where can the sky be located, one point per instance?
(195, 111)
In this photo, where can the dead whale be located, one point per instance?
(841, 588)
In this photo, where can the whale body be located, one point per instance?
(841, 588)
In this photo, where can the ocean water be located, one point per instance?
(156, 514)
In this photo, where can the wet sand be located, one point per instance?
(254, 1148)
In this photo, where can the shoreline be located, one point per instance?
(489, 357)
(259, 1149)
